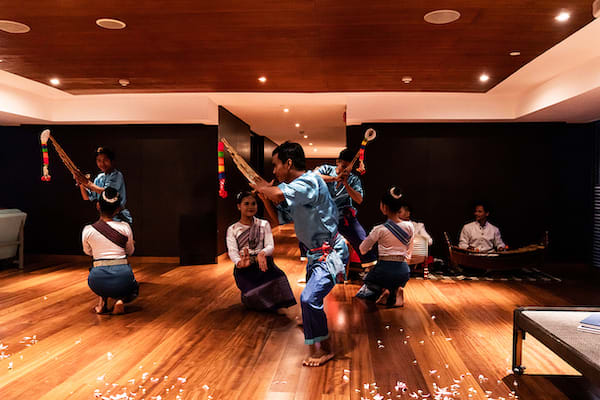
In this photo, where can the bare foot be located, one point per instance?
(101, 306)
(119, 308)
(317, 359)
(399, 297)
(383, 297)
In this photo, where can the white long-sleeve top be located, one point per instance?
(484, 238)
(100, 248)
(387, 243)
(266, 243)
(420, 231)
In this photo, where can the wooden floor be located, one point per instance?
(188, 337)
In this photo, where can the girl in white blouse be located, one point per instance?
(250, 246)
(385, 282)
(109, 242)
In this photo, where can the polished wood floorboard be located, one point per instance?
(188, 324)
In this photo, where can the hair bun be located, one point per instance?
(110, 200)
(394, 193)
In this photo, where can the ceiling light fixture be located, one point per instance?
(310, 144)
(110, 23)
(515, 53)
(124, 82)
(13, 26)
(315, 149)
(440, 17)
(305, 136)
(262, 79)
(407, 79)
(563, 16)
(286, 110)
(297, 125)
(55, 81)
(484, 78)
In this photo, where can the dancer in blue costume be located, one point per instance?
(109, 177)
(303, 197)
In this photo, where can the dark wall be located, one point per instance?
(268, 147)
(535, 176)
(169, 172)
(239, 135)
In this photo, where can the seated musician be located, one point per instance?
(419, 228)
(480, 235)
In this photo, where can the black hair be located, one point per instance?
(242, 195)
(291, 151)
(106, 151)
(485, 205)
(346, 155)
(109, 201)
(394, 199)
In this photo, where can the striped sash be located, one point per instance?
(400, 234)
(251, 237)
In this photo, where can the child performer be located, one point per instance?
(385, 282)
(303, 197)
(109, 243)
(346, 188)
(110, 177)
(263, 285)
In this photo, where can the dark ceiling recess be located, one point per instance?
(300, 46)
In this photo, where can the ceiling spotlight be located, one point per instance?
(484, 78)
(124, 82)
(305, 136)
(439, 17)
(110, 23)
(563, 16)
(315, 149)
(310, 144)
(407, 79)
(515, 53)
(13, 27)
(286, 110)
(262, 79)
(297, 125)
(55, 81)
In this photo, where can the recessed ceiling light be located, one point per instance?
(262, 79)
(286, 110)
(297, 125)
(305, 136)
(515, 53)
(13, 27)
(563, 16)
(55, 81)
(110, 23)
(310, 144)
(315, 149)
(484, 78)
(124, 82)
(439, 17)
(407, 79)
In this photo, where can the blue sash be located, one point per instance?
(398, 232)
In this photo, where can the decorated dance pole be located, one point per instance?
(221, 169)
(370, 134)
(46, 137)
(240, 163)
(46, 162)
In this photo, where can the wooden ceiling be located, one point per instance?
(299, 45)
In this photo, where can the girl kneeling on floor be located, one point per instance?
(385, 282)
(109, 243)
